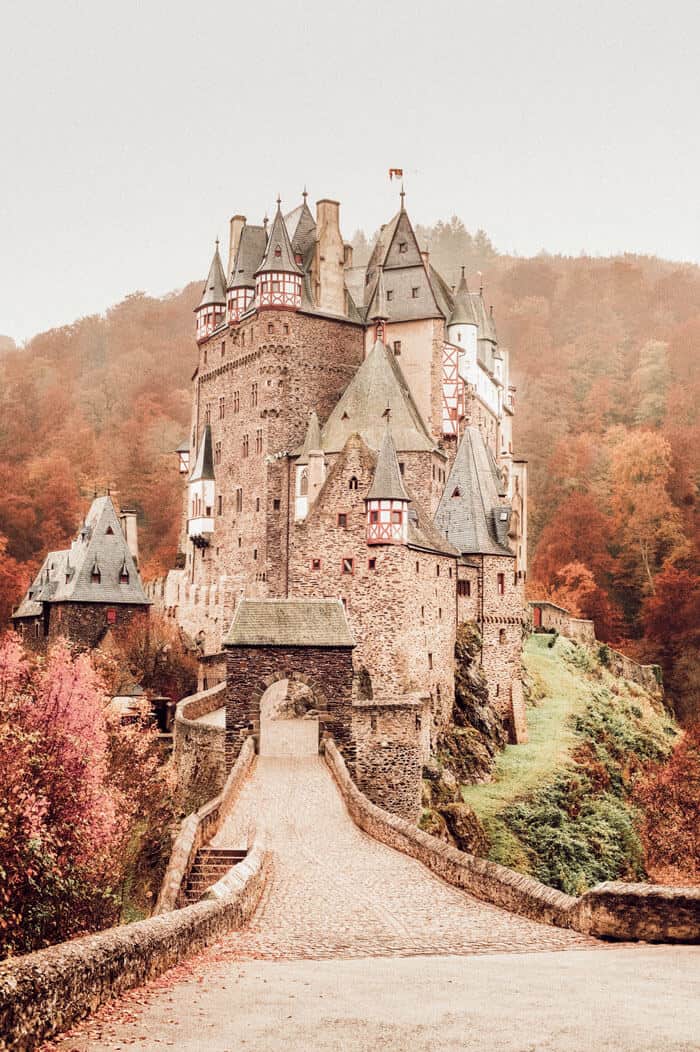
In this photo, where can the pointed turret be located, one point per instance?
(463, 312)
(212, 306)
(278, 278)
(379, 309)
(202, 493)
(387, 500)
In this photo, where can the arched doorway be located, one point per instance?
(289, 721)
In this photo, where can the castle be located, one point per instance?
(352, 494)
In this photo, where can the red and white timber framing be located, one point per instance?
(278, 289)
(452, 390)
(387, 521)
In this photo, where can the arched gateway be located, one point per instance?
(308, 644)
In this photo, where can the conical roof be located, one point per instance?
(387, 483)
(379, 310)
(203, 469)
(377, 384)
(214, 292)
(279, 254)
(301, 227)
(470, 513)
(312, 440)
(463, 312)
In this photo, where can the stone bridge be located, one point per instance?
(328, 877)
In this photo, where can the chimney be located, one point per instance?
(131, 533)
(347, 254)
(329, 259)
(235, 227)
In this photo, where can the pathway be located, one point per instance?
(335, 892)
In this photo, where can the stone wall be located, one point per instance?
(199, 749)
(83, 624)
(554, 618)
(199, 828)
(613, 910)
(46, 992)
(389, 753)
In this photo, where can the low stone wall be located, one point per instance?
(199, 828)
(486, 880)
(647, 912)
(46, 992)
(647, 676)
(581, 631)
(612, 910)
(199, 748)
(388, 753)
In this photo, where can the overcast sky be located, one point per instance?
(132, 131)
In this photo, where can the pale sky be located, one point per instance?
(133, 131)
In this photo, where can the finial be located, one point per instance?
(387, 413)
(403, 197)
(217, 244)
(463, 269)
(304, 194)
(491, 310)
(279, 200)
(265, 220)
(481, 283)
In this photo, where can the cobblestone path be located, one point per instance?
(334, 892)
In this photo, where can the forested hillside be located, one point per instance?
(604, 354)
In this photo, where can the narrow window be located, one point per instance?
(371, 564)
(275, 505)
(223, 348)
(245, 445)
(348, 565)
(222, 407)
(259, 440)
(255, 554)
(239, 506)
(401, 467)
(437, 570)
(390, 294)
(285, 329)
(501, 584)
(220, 504)
(343, 519)
(353, 483)
(257, 503)
(501, 636)
(422, 613)
(217, 453)
(417, 567)
(315, 564)
(403, 247)
(397, 347)
(414, 293)
(270, 327)
(464, 588)
(430, 660)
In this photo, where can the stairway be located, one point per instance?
(210, 865)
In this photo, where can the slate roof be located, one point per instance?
(279, 238)
(214, 291)
(66, 576)
(377, 384)
(204, 464)
(249, 254)
(387, 483)
(463, 311)
(312, 440)
(469, 513)
(290, 622)
(301, 228)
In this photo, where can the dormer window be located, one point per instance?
(95, 575)
(278, 252)
(124, 574)
(414, 292)
(456, 492)
(109, 531)
(403, 247)
(390, 294)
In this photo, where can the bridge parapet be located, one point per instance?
(646, 912)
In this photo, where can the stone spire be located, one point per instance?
(214, 292)
(387, 483)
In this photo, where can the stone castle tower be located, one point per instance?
(351, 444)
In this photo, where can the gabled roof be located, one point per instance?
(377, 385)
(278, 242)
(470, 514)
(249, 254)
(301, 228)
(203, 469)
(408, 283)
(312, 440)
(66, 576)
(290, 622)
(387, 483)
(463, 312)
(214, 291)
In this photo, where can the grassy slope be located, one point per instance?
(567, 685)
